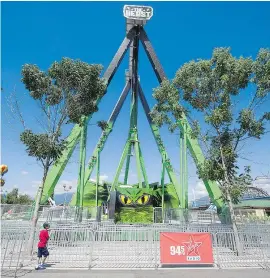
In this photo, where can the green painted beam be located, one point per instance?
(120, 166)
(181, 165)
(138, 163)
(185, 170)
(146, 183)
(72, 140)
(93, 160)
(163, 189)
(97, 178)
(160, 145)
(58, 168)
(127, 164)
(198, 157)
(81, 178)
(104, 136)
(99, 147)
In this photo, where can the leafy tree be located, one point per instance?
(66, 93)
(13, 197)
(210, 88)
(25, 199)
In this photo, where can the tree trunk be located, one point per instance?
(235, 230)
(230, 203)
(36, 209)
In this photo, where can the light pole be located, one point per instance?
(66, 188)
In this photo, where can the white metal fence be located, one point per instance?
(105, 245)
(50, 214)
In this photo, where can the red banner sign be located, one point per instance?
(186, 248)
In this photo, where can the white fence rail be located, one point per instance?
(105, 245)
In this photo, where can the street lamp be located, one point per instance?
(66, 189)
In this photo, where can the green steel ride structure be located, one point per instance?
(135, 33)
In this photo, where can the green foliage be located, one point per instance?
(103, 125)
(73, 83)
(42, 146)
(134, 193)
(134, 215)
(170, 197)
(67, 92)
(13, 197)
(89, 199)
(210, 87)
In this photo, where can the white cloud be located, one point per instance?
(198, 191)
(263, 183)
(24, 172)
(102, 178)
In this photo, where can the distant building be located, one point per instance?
(253, 198)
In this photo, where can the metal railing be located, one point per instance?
(105, 245)
(68, 214)
(50, 214)
(13, 243)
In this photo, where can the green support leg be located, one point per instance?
(72, 140)
(80, 187)
(160, 145)
(198, 157)
(104, 136)
(97, 178)
(185, 187)
(163, 189)
(138, 163)
(127, 164)
(58, 168)
(181, 169)
(146, 183)
(120, 166)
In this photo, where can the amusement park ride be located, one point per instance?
(122, 195)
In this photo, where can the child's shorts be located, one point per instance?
(43, 251)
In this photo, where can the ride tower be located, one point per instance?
(175, 193)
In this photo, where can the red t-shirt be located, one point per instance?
(43, 238)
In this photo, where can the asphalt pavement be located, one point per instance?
(144, 273)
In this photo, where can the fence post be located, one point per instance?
(155, 246)
(215, 245)
(92, 233)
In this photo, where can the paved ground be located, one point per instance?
(169, 273)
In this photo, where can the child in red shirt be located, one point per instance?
(42, 246)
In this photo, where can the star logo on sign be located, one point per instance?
(192, 246)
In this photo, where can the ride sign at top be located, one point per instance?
(138, 12)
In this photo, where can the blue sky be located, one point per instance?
(43, 32)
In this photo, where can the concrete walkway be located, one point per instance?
(169, 273)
